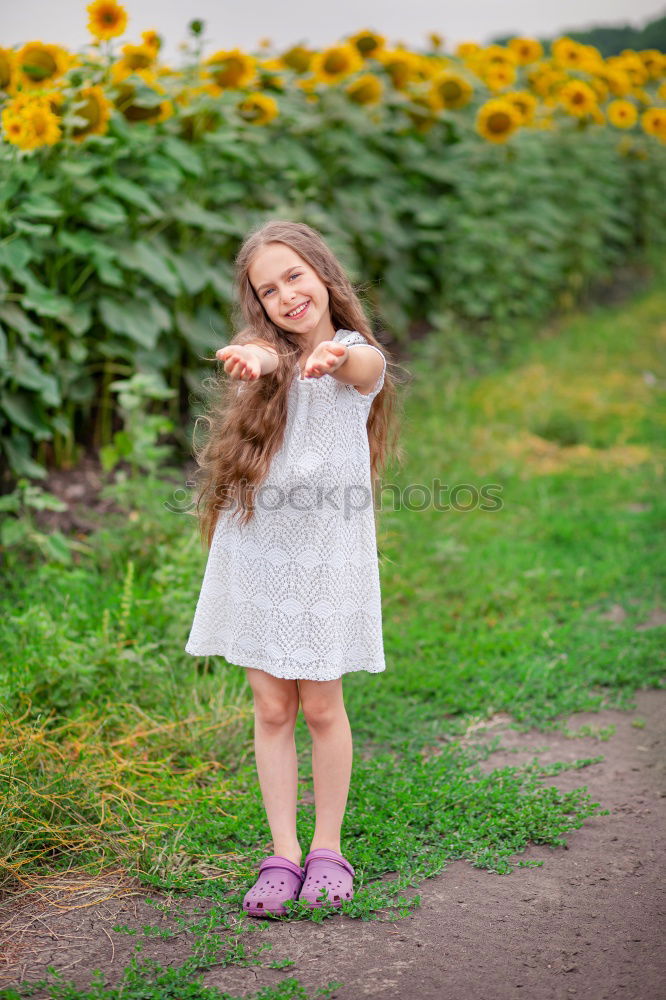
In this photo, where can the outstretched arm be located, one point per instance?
(359, 365)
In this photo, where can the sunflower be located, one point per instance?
(108, 19)
(125, 95)
(497, 120)
(193, 126)
(365, 89)
(653, 121)
(258, 109)
(543, 79)
(464, 50)
(297, 58)
(654, 62)
(31, 124)
(499, 76)
(368, 43)
(427, 67)
(494, 55)
(592, 59)
(231, 69)
(450, 90)
(333, 64)
(40, 64)
(526, 50)
(421, 112)
(269, 75)
(632, 65)
(152, 40)
(7, 68)
(525, 103)
(138, 56)
(578, 98)
(436, 40)
(568, 53)
(622, 114)
(600, 88)
(616, 79)
(401, 65)
(13, 127)
(92, 104)
(661, 92)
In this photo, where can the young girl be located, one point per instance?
(291, 592)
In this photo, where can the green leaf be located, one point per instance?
(192, 269)
(43, 300)
(221, 281)
(17, 320)
(13, 531)
(22, 411)
(17, 449)
(184, 155)
(108, 273)
(108, 456)
(141, 256)
(103, 212)
(139, 320)
(76, 316)
(81, 242)
(33, 228)
(40, 206)
(192, 214)
(57, 547)
(201, 331)
(25, 370)
(14, 255)
(76, 168)
(133, 193)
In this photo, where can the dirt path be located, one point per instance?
(588, 924)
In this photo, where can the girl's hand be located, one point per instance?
(326, 358)
(240, 361)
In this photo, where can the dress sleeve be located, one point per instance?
(350, 338)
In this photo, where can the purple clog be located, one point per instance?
(279, 879)
(325, 868)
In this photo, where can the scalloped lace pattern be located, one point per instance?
(296, 592)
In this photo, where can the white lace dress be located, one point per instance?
(296, 591)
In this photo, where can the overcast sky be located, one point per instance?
(318, 24)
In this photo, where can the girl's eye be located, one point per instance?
(296, 275)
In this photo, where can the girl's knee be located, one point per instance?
(322, 702)
(276, 699)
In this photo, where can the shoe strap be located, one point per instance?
(278, 861)
(326, 854)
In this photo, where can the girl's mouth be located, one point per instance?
(301, 313)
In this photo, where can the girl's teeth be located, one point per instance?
(299, 311)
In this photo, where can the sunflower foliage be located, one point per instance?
(472, 187)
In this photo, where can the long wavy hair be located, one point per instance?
(246, 428)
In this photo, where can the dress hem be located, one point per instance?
(290, 677)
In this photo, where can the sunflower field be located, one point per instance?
(476, 186)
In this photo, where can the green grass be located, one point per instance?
(121, 747)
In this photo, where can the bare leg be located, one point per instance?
(332, 753)
(276, 703)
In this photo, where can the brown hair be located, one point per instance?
(247, 428)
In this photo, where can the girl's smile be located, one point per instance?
(299, 311)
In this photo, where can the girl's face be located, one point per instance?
(283, 283)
